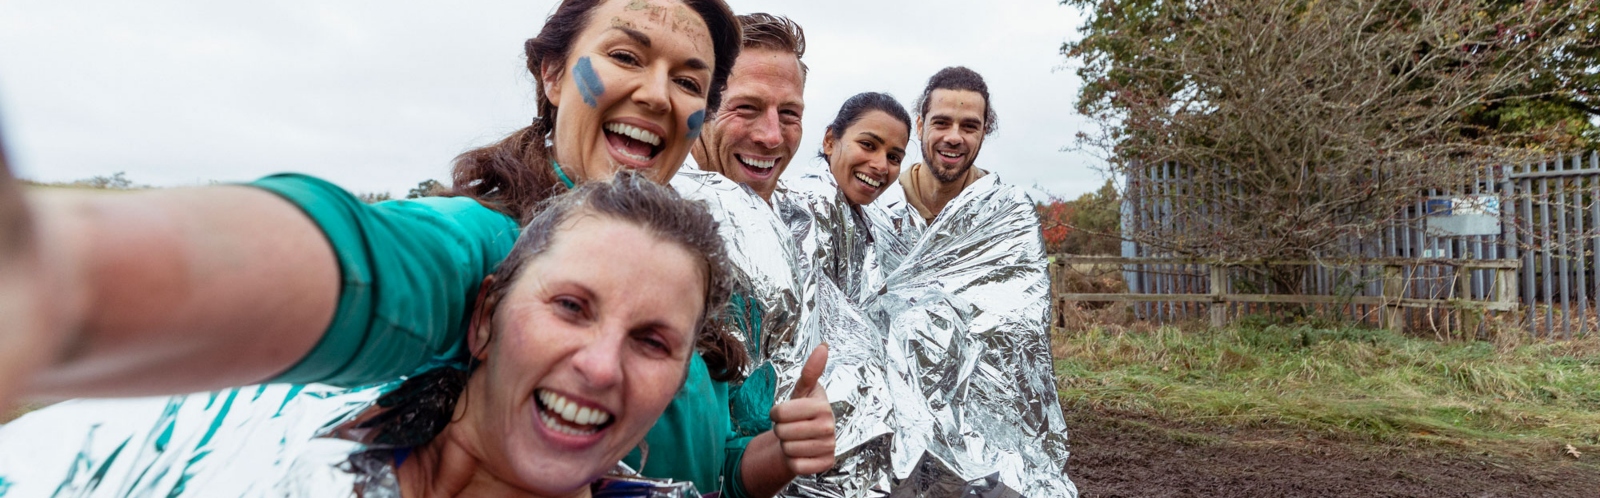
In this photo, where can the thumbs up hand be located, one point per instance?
(804, 424)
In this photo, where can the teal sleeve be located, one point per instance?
(752, 399)
(732, 468)
(409, 273)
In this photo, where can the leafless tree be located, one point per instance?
(1302, 125)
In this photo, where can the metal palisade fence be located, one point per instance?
(1542, 217)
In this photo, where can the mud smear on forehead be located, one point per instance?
(677, 18)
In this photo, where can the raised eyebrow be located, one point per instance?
(636, 35)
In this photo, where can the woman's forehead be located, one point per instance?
(655, 17)
(594, 248)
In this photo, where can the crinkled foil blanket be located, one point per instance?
(269, 440)
(939, 370)
(941, 375)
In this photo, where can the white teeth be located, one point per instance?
(634, 132)
(634, 157)
(869, 181)
(552, 424)
(951, 155)
(570, 413)
(758, 164)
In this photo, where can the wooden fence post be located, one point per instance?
(1219, 307)
(1505, 284)
(1058, 314)
(1470, 315)
(1393, 291)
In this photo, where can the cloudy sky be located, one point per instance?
(379, 95)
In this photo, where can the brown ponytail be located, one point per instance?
(512, 176)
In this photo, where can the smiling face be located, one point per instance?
(587, 348)
(951, 133)
(757, 130)
(632, 91)
(865, 160)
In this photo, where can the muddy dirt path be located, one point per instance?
(1120, 456)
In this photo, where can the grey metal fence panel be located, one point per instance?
(1549, 218)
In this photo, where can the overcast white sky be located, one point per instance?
(379, 95)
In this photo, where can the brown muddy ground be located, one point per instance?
(1122, 456)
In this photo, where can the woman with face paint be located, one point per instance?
(235, 286)
(601, 110)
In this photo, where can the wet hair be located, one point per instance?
(633, 198)
(769, 32)
(514, 175)
(857, 107)
(420, 408)
(959, 78)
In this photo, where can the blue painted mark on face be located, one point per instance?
(589, 85)
(696, 122)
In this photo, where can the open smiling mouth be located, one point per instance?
(562, 415)
(876, 184)
(633, 143)
(756, 164)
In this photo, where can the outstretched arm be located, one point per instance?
(19, 276)
(172, 290)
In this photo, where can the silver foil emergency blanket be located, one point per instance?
(763, 250)
(249, 441)
(766, 274)
(959, 315)
(267, 440)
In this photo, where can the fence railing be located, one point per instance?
(1215, 289)
(1544, 214)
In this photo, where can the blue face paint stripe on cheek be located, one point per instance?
(589, 85)
(696, 121)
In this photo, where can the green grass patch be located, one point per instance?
(1341, 381)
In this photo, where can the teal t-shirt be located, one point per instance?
(694, 439)
(409, 274)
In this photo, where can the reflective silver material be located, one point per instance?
(268, 440)
(765, 271)
(853, 246)
(960, 319)
(251, 441)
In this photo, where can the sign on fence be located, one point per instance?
(1463, 216)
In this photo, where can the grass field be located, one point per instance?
(1507, 397)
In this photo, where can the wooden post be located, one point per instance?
(1505, 284)
(1393, 290)
(1470, 315)
(1219, 307)
(1056, 289)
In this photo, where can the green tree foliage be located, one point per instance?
(1088, 225)
(117, 181)
(426, 188)
(374, 197)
